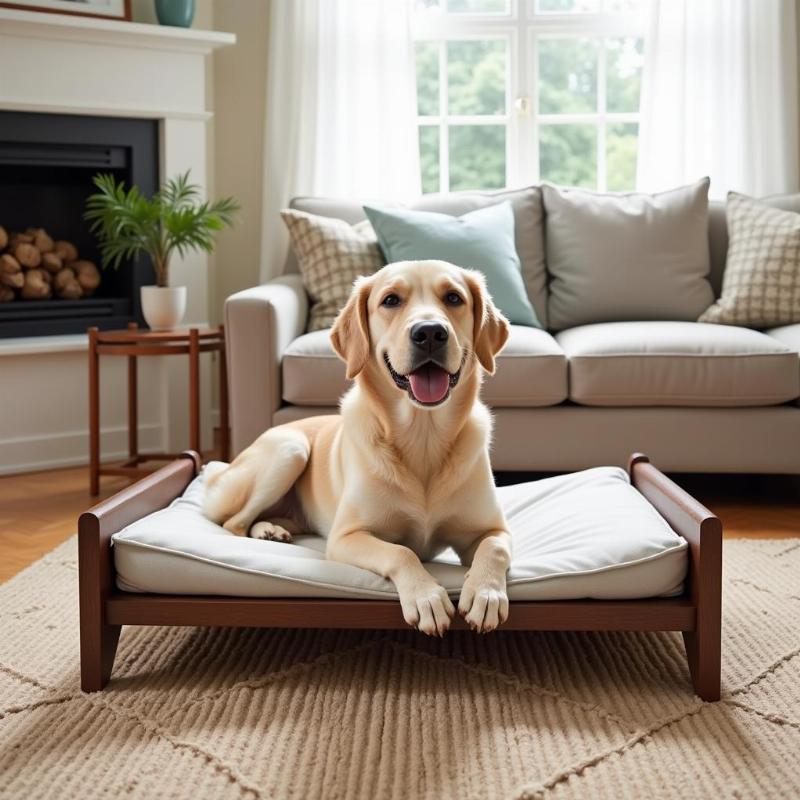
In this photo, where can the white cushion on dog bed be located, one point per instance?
(589, 534)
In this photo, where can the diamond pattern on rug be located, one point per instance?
(18, 692)
(376, 747)
(221, 713)
(778, 692)
(592, 668)
(718, 751)
(777, 557)
(127, 758)
(169, 669)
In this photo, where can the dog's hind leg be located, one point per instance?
(257, 480)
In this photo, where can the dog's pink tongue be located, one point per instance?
(429, 383)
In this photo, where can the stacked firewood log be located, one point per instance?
(35, 267)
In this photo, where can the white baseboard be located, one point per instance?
(71, 449)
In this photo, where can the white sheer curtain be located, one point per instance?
(720, 96)
(341, 107)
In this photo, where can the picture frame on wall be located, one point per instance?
(105, 9)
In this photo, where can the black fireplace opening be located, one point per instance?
(47, 162)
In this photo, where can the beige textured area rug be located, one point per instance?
(194, 713)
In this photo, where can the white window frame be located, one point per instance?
(522, 28)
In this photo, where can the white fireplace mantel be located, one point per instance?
(93, 30)
(82, 65)
(54, 63)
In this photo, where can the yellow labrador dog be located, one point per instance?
(403, 472)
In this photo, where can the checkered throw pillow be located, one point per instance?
(331, 254)
(761, 284)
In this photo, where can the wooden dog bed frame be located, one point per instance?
(104, 609)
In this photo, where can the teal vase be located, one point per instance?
(178, 13)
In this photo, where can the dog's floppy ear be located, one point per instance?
(490, 332)
(350, 332)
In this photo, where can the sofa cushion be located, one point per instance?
(790, 336)
(528, 226)
(677, 364)
(590, 534)
(313, 375)
(531, 371)
(632, 256)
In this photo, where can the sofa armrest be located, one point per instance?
(260, 323)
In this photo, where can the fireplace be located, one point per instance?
(46, 166)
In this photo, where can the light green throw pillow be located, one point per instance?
(481, 240)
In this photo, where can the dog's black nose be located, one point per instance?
(429, 336)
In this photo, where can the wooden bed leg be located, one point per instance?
(703, 645)
(704, 665)
(703, 531)
(98, 649)
(98, 639)
(96, 573)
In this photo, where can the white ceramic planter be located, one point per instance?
(163, 307)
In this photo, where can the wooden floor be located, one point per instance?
(40, 510)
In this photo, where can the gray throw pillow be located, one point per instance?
(616, 257)
(761, 283)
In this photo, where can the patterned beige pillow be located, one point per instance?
(761, 284)
(331, 254)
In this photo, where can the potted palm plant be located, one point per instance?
(173, 220)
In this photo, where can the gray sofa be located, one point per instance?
(695, 397)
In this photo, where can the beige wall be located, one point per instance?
(240, 85)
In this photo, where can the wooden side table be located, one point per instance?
(133, 343)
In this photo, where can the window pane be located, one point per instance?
(477, 6)
(476, 76)
(617, 6)
(429, 157)
(621, 145)
(427, 78)
(624, 61)
(568, 154)
(567, 76)
(427, 6)
(566, 6)
(477, 157)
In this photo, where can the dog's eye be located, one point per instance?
(390, 301)
(453, 299)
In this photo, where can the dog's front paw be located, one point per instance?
(270, 532)
(484, 606)
(427, 608)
